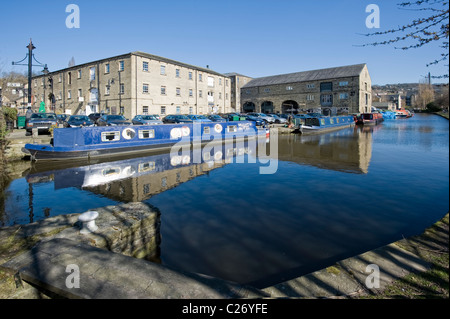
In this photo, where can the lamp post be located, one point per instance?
(30, 57)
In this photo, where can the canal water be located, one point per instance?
(331, 196)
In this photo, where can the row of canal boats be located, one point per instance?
(103, 141)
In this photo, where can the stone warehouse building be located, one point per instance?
(332, 91)
(237, 82)
(131, 84)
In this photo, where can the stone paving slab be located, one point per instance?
(349, 276)
(105, 275)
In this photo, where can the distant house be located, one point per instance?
(332, 91)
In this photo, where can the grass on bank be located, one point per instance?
(433, 247)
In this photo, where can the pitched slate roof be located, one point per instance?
(313, 75)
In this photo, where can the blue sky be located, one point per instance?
(254, 38)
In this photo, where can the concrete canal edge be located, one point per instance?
(118, 261)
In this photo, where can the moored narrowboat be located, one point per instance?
(370, 118)
(101, 141)
(325, 124)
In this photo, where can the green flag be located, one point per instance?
(42, 107)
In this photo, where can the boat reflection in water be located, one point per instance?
(137, 179)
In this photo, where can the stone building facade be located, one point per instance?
(237, 82)
(131, 84)
(332, 91)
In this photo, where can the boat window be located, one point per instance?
(331, 121)
(313, 121)
(111, 171)
(145, 167)
(231, 128)
(146, 134)
(110, 136)
(206, 130)
(322, 121)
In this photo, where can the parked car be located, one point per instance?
(278, 119)
(111, 120)
(198, 118)
(267, 118)
(157, 116)
(62, 118)
(95, 116)
(176, 118)
(145, 120)
(42, 121)
(78, 120)
(216, 118)
(231, 116)
(258, 121)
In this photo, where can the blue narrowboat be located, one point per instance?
(324, 124)
(101, 141)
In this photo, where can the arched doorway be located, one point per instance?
(267, 107)
(289, 107)
(248, 107)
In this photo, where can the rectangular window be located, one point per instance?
(177, 73)
(143, 134)
(343, 83)
(163, 70)
(178, 110)
(107, 90)
(79, 74)
(121, 88)
(80, 93)
(107, 68)
(92, 73)
(267, 90)
(146, 167)
(145, 66)
(69, 78)
(326, 86)
(110, 136)
(220, 81)
(191, 110)
(122, 110)
(326, 99)
(121, 65)
(310, 97)
(310, 86)
(69, 94)
(231, 128)
(178, 90)
(367, 99)
(190, 75)
(200, 77)
(343, 96)
(190, 93)
(145, 110)
(226, 96)
(60, 78)
(163, 90)
(200, 93)
(145, 88)
(163, 110)
(220, 95)
(210, 81)
(289, 88)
